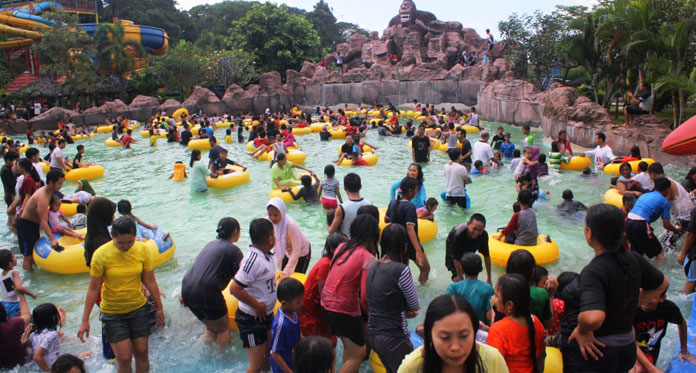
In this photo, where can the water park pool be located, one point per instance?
(140, 175)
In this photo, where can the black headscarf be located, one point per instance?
(99, 217)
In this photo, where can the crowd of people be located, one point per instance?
(362, 291)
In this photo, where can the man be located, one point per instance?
(467, 238)
(528, 138)
(602, 153)
(35, 215)
(37, 108)
(474, 118)
(466, 147)
(58, 162)
(215, 150)
(482, 150)
(348, 210)
(339, 62)
(681, 208)
(127, 139)
(420, 146)
(640, 105)
(456, 178)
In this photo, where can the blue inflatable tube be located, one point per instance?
(443, 195)
(677, 366)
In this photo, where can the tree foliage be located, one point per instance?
(115, 54)
(64, 50)
(227, 67)
(156, 13)
(181, 68)
(216, 19)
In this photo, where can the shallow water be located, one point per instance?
(140, 175)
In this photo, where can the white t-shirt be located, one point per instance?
(57, 153)
(602, 156)
(456, 177)
(474, 120)
(682, 206)
(48, 340)
(257, 276)
(9, 294)
(482, 152)
(644, 180)
(37, 108)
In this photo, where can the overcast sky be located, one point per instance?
(374, 15)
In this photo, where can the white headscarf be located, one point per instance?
(280, 229)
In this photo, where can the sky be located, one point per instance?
(374, 15)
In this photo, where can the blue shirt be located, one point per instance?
(477, 292)
(209, 131)
(286, 335)
(651, 206)
(507, 150)
(418, 200)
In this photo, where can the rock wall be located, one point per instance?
(562, 108)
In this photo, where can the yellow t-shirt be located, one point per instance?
(492, 360)
(121, 271)
(153, 140)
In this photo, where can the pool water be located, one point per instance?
(140, 175)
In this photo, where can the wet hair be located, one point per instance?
(393, 243)
(364, 231)
(290, 289)
(430, 202)
(124, 207)
(662, 184)
(516, 207)
(624, 165)
(45, 316)
(643, 166)
(539, 272)
(526, 128)
(629, 200)
(227, 227)
(478, 164)
(280, 157)
(313, 354)
(525, 196)
(25, 164)
(329, 171)
(454, 154)
(471, 264)
(516, 153)
(32, 152)
(635, 152)
(601, 136)
(212, 139)
(81, 208)
(123, 225)
(564, 279)
(61, 141)
(542, 158)
(333, 241)
(513, 288)
(352, 182)
(607, 225)
(419, 176)
(330, 217)
(567, 194)
(656, 168)
(478, 217)
(439, 308)
(306, 181)
(260, 230)
(53, 176)
(66, 362)
(5, 260)
(521, 262)
(369, 210)
(194, 156)
(80, 147)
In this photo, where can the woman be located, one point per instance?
(203, 284)
(99, 217)
(610, 289)
(344, 291)
(415, 171)
(122, 266)
(450, 341)
(13, 352)
(689, 183)
(292, 249)
(564, 143)
(391, 299)
(199, 172)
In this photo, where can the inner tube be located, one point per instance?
(614, 167)
(613, 197)
(90, 173)
(427, 230)
(232, 179)
(544, 252)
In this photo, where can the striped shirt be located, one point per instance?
(390, 293)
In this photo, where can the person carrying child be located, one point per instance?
(11, 284)
(330, 189)
(54, 218)
(286, 325)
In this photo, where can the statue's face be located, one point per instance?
(407, 11)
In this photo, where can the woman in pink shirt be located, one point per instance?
(344, 291)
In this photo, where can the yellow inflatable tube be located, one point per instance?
(337, 133)
(285, 196)
(233, 303)
(370, 158)
(177, 113)
(544, 252)
(83, 137)
(317, 127)
(114, 143)
(105, 129)
(90, 173)
(146, 134)
(301, 131)
(613, 197)
(614, 167)
(235, 178)
(365, 149)
(200, 144)
(69, 208)
(293, 155)
(574, 164)
(554, 360)
(179, 172)
(427, 230)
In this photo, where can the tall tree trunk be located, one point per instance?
(675, 109)
(681, 108)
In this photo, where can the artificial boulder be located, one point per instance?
(49, 119)
(169, 106)
(110, 109)
(206, 100)
(143, 107)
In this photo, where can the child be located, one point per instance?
(570, 207)
(515, 159)
(496, 161)
(325, 135)
(519, 336)
(240, 134)
(219, 165)
(77, 161)
(428, 211)
(522, 227)
(172, 175)
(228, 136)
(41, 140)
(79, 220)
(262, 145)
(643, 178)
(11, 284)
(498, 139)
(330, 189)
(629, 200)
(552, 336)
(542, 167)
(478, 168)
(525, 162)
(54, 218)
(45, 345)
(528, 138)
(309, 192)
(625, 183)
(650, 326)
(125, 209)
(254, 286)
(477, 292)
(507, 147)
(286, 325)
(153, 138)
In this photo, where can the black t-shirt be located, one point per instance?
(382, 131)
(407, 214)
(409, 132)
(215, 152)
(571, 298)
(458, 243)
(78, 158)
(346, 149)
(8, 180)
(611, 283)
(324, 135)
(211, 272)
(219, 164)
(466, 147)
(421, 146)
(497, 140)
(186, 136)
(651, 327)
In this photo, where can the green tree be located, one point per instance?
(63, 49)
(156, 13)
(114, 52)
(324, 22)
(275, 39)
(218, 18)
(181, 69)
(227, 67)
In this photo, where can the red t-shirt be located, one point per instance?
(28, 187)
(126, 140)
(345, 285)
(312, 298)
(558, 306)
(512, 340)
(11, 351)
(260, 141)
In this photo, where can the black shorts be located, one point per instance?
(635, 110)
(213, 308)
(28, 233)
(131, 325)
(459, 201)
(253, 332)
(641, 238)
(9, 198)
(302, 263)
(615, 359)
(351, 327)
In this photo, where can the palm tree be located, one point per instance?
(116, 54)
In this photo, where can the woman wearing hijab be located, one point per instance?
(292, 249)
(99, 217)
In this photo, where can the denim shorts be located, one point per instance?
(131, 325)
